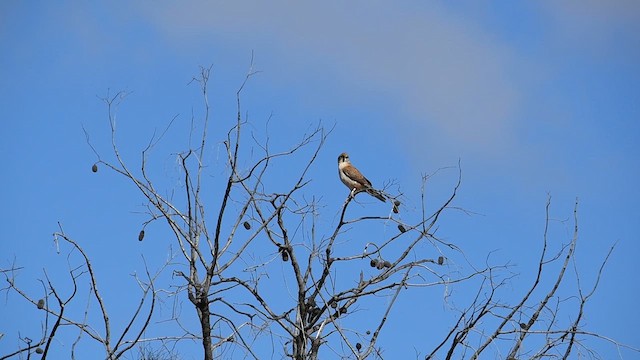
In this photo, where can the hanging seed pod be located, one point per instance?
(368, 332)
(285, 255)
(41, 304)
(246, 225)
(396, 206)
(358, 346)
(387, 264)
(380, 265)
(141, 235)
(343, 310)
(334, 305)
(440, 260)
(523, 325)
(39, 351)
(402, 228)
(373, 262)
(94, 168)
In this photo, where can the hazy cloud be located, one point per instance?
(458, 89)
(450, 77)
(594, 24)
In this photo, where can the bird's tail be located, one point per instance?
(377, 194)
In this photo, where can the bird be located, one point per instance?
(354, 179)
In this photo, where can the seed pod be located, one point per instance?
(386, 264)
(343, 310)
(374, 262)
(334, 304)
(39, 351)
(246, 225)
(285, 255)
(358, 346)
(41, 304)
(380, 265)
(141, 235)
(94, 168)
(368, 332)
(440, 260)
(523, 325)
(396, 206)
(401, 228)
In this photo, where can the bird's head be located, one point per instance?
(344, 157)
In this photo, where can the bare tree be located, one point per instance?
(534, 318)
(226, 252)
(54, 304)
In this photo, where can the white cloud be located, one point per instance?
(450, 76)
(595, 25)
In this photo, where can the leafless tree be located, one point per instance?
(54, 303)
(534, 319)
(228, 252)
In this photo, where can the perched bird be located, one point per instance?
(354, 179)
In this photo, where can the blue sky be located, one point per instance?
(535, 99)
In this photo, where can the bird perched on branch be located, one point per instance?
(354, 179)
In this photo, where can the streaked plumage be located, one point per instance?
(354, 179)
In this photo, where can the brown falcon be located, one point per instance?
(354, 179)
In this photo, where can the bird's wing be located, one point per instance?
(355, 175)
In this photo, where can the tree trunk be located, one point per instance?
(204, 315)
